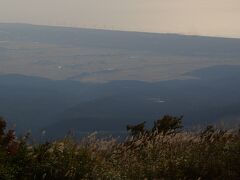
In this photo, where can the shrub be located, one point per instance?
(164, 152)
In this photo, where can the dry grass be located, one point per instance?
(210, 154)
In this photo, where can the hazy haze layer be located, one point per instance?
(200, 17)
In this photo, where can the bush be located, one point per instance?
(163, 152)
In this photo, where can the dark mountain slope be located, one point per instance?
(212, 97)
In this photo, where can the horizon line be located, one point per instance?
(122, 30)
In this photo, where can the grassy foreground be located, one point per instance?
(162, 152)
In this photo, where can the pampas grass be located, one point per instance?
(208, 154)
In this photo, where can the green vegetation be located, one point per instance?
(163, 152)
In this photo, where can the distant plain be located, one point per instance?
(58, 79)
(100, 56)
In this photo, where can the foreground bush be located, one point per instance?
(159, 153)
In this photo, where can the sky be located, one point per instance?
(198, 17)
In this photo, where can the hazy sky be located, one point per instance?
(201, 17)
